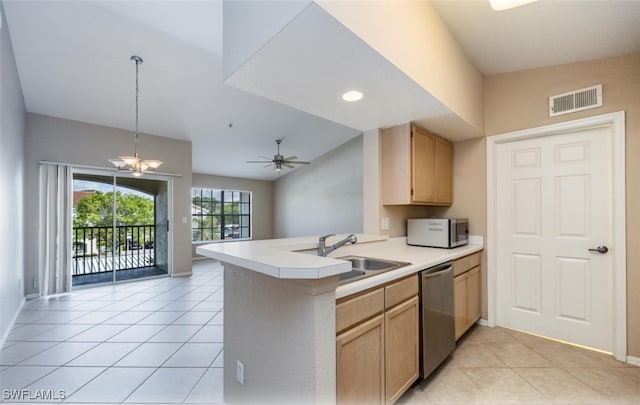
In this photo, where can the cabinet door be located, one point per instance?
(474, 291)
(402, 346)
(423, 166)
(360, 364)
(444, 172)
(460, 303)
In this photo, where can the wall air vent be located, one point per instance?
(577, 100)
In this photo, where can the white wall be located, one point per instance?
(324, 197)
(65, 141)
(12, 130)
(261, 200)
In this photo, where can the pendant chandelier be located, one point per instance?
(134, 164)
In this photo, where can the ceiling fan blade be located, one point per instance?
(278, 161)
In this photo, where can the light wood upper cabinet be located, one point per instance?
(423, 158)
(444, 172)
(417, 167)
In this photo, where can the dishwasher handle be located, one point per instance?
(437, 270)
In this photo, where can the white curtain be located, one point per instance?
(54, 229)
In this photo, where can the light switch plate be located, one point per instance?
(385, 224)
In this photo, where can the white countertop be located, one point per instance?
(286, 259)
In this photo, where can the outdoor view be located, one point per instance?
(102, 243)
(220, 214)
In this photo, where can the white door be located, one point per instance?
(553, 204)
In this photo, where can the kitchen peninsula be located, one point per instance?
(279, 300)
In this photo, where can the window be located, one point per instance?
(220, 214)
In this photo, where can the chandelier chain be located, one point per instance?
(135, 164)
(137, 62)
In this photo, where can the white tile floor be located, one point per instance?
(161, 342)
(150, 342)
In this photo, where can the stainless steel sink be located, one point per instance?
(362, 267)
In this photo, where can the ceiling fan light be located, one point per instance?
(129, 160)
(153, 164)
(279, 160)
(118, 163)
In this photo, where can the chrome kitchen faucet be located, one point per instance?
(323, 250)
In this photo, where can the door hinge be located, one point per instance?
(168, 223)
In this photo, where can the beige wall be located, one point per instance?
(261, 204)
(73, 142)
(519, 100)
(469, 195)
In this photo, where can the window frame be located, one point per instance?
(226, 197)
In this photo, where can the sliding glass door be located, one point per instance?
(120, 228)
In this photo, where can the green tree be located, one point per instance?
(97, 210)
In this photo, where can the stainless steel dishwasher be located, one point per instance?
(437, 322)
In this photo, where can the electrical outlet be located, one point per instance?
(184, 220)
(240, 372)
(385, 224)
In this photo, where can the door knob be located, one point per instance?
(600, 249)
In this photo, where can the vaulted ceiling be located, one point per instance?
(73, 62)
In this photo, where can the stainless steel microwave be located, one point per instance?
(441, 233)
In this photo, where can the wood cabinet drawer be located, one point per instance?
(400, 291)
(474, 260)
(354, 310)
(461, 265)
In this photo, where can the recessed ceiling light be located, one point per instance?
(499, 5)
(352, 96)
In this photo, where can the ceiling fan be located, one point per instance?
(278, 160)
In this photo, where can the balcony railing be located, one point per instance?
(93, 248)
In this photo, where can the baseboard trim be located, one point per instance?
(32, 296)
(633, 360)
(5, 335)
(183, 274)
(482, 322)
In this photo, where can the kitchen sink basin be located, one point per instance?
(362, 267)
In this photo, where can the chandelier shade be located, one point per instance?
(135, 164)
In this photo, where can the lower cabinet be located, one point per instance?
(467, 290)
(360, 377)
(378, 354)
(402, 348)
